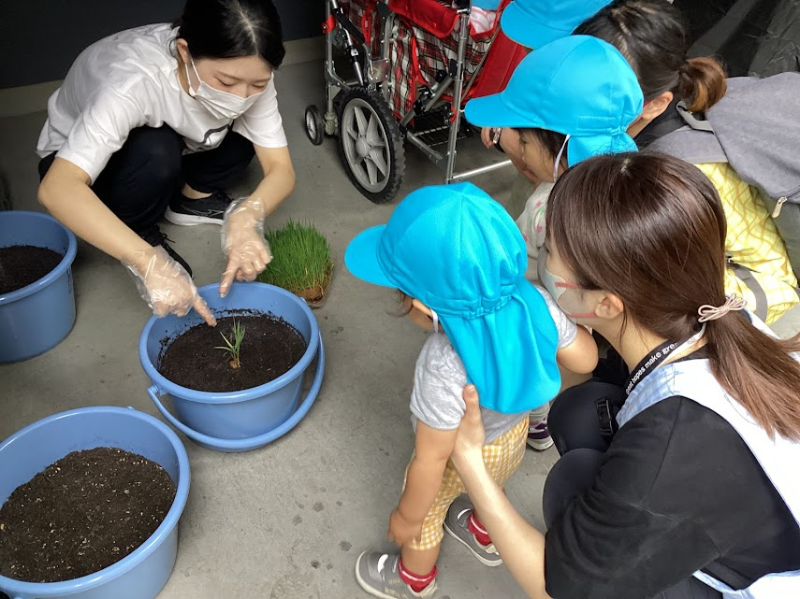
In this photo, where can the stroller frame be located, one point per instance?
(370, 85)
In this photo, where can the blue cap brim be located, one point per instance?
(518, 26)
(492, 111)
(361, 257)
(486, 4)
(582, 148)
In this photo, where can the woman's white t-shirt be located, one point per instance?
(130, 80)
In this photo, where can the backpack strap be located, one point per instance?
(696, 120)
(684, 135)
(745, 275)
(667, 122)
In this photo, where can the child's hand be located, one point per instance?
(402, 530)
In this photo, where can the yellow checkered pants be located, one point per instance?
(502, 457)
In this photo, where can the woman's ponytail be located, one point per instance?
(654, 36)
(657, 242)
(702, 83)
(758, 371)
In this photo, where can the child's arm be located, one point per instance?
(432, 449)
(577, 351)
(580, 356)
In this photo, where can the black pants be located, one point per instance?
(575, 428)
(141, 178)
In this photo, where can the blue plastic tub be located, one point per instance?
(143, 573)
(36, 318)
(247, 419)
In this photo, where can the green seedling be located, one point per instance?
(233, 345)
(302, 262)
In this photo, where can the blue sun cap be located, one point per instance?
(579, 86)
(535, 23)
(456, 250)
(486, 4)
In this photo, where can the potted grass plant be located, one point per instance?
(302, 262)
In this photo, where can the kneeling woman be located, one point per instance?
(696, 494)
(158, 121)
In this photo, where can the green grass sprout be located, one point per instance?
(302, 260)
(233, 345)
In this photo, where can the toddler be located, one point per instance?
(571, 99)
(459, 261)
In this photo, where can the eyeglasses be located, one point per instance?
(496, 140)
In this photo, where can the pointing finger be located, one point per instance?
(203, 310)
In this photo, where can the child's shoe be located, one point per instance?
(538, 434)
(457, 526)
(378, 574)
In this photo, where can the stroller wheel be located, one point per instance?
(315, 128)
(370, 145)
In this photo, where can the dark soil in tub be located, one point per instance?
(21, 265)
(271, 346)
(81, 514)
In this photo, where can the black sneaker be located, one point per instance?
(156, 238)
(205, 211)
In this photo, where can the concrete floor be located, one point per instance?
(286, 521)
(289, 520)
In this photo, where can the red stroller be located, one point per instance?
(416, 63)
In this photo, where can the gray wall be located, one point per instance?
(39, 39)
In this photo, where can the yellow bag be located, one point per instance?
(759, 269)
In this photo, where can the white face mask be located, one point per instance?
(220, 104)
(558, 288)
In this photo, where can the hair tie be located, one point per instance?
(732, 304)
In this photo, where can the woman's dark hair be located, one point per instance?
(551, 141)
(232, 29)
(653, 36)
(658, 242)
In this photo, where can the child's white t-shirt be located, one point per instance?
(532, 224)
(440, 378)
(129, 80)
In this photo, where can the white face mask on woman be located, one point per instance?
(570, 303)
(220, 104)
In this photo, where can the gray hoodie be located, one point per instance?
(756, 129)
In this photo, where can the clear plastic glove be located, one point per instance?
(243, 242)
(165, 285)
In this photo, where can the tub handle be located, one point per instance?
(5, 595)
(253, 442)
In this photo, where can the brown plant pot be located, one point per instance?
(316, 296)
